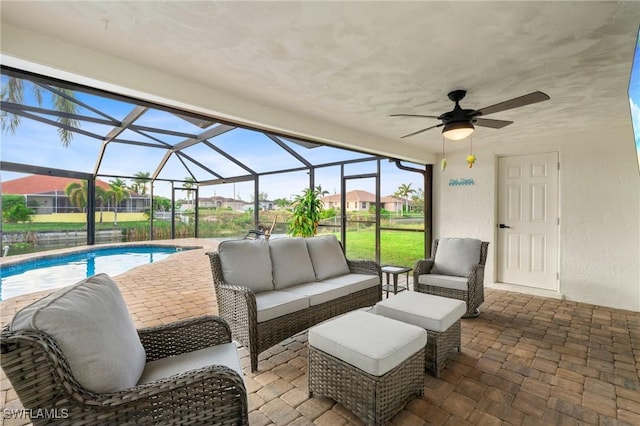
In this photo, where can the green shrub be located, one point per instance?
(17, 213)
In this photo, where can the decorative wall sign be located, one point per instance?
(461, 182)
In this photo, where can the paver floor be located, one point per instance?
(525, 360)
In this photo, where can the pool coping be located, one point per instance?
(12, 261)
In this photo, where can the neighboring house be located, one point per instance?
(359, 200)
(264, 205)
(45, 194)
(219, 202)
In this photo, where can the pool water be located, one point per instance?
(56, 271)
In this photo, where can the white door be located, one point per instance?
(528, 220)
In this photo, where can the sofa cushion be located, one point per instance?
(456, 256)
(372, 343)
(91, 323)
(291, 262)
(275, 303)
(446, 281)
(327, 257)
(424, 310)
(320, 292)
(355, 282)
(246, 263)
(225, 354)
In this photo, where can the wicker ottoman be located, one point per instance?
(440, 316)
(371, 364)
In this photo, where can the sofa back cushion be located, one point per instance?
(456, 256)
(91, 324)
(291, 262)
(327, 257)
(246, 263)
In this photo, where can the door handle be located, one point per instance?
(503, 226)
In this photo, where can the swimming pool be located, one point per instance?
(54, 271)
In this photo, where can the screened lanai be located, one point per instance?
(205, 169)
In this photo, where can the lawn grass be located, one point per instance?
(396, 247)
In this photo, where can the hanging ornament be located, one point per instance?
(471, 158)
(443, 162)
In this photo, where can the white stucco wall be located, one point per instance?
(599, 207)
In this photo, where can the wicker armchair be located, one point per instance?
(42, 377)
(454, 275)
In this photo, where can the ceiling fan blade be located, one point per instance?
(529, 99)
(494, 124)
(413, 115)
(420, 131)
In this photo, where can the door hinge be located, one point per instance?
(558, 165)
(558, 221)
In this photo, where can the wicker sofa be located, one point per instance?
(270, 290)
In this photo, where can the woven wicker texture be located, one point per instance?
(441, 347)
(374, 399)
(237, 305)
(473, 297)
(215, 395)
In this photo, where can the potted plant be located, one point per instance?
(306, 213)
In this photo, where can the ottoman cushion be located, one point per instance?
(372, 343)
(424, 310)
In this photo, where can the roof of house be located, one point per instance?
(360, 195)
(42, 184)
(220, 199)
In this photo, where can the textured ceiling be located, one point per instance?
(351, 64)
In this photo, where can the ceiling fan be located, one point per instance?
(459, 123)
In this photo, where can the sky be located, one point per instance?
(38, 144)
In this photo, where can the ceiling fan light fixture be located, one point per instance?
(457, 131)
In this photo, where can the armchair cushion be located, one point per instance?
(456, 256)
(91, 323)
(327, 257)
(225, 354)
(291, 262)
(445, 281)
(247, 263)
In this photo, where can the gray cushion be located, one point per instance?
(372, 343)
(246, 263)
(291, 262)
(91, 323)
(446, 281)
(424, 310)
(327, 257)
(456, 256)
(355, 282)
(275, 303)
(225, 354)
(320, 292)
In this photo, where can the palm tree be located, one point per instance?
(102, 195)
(403, 191)
(117, 193)
(77, 192)
(321, 192)
(141, 179)
(189, 183)
(282, 203)
(13, 91)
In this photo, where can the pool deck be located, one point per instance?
(526, 360)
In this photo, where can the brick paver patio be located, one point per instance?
(526, 360)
